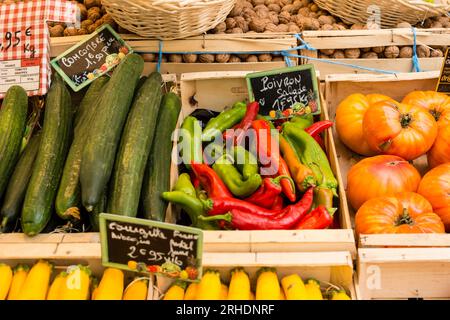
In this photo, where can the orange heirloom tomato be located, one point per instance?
(399, 129)
(379, 176)
(405, 212)
(435, 187)
(438, 104)
(349, 121)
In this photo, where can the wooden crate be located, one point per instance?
(215, 91)
(347, 39)
(208, 43)
(393, 266)
(332, 267)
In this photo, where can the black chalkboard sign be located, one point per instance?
(91, 58)
(151, 247)
(282, 93)
(444, 80)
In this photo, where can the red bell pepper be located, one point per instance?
(210, 181)
(286, 185)
(317, 219)
(317, 128)
(286, 218)
(266, 195)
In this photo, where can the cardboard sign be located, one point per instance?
(24, 42)
(91, 58)
(282, 93)
(444, 80)
(151, 247)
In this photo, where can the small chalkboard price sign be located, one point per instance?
(91, 58)
(282, 93)
(444, 80)
(146, 246)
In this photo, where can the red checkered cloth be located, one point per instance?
(30, 18)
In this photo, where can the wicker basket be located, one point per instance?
(392, 11)
(168, 19)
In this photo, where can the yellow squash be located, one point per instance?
(267, 285)
(37, 282)
(176, 291)
(19, 277)
(210, 287)
(111, 285)
(313, 290)
(137, 290)
(224, 292)
(76, 284)
(339, 295)
(6, 276)
(239, 285)
(54, 292)
(294, 288)
(191, 292)
(252, 296)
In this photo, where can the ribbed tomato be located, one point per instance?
(349, 119)
(435, 187)
(405, 212)
(379, 176)
(399, 129)
(438, 105)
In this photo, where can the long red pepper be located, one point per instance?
(317, 128)
(287, 219)
(267, 156)
(246, 122)
(319, 218)
(210, 181)
(266, 195)
(286, 185)
(278, 204)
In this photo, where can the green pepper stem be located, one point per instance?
(226, 217)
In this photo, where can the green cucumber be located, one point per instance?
(17, 186)
(68, 198)
(106, 128)
(135, 145)
(48, 167)
(157, 173)
(99, 208)
(13, 117)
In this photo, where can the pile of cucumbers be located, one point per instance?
(112, 155)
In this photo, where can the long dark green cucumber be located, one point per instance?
(157, 173)
(17, 186)
(135, 145)
(47, 170)
(104, 135)
(89, 101)
(68, 198)
(13, 117)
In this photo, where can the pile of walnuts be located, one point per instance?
(389, 52)
(93, 16)
(213, 58)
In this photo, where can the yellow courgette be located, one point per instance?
(54, 292)
(111, 285)
(224, 292)
(294, 288)
(37, 282)
(210, 287)
(19, 277)
(6, 275)
(77, 283)
(313, 291)
(191, 292)
(339, 295)
(239, 285)
(136, 290)
(267, 285)
(176, 291)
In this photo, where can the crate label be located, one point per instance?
(146, 246)
(444, 80)
(91, 58)
(24, 73)
(283, 93)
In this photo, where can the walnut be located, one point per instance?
(237, 10)
(352, 53)
(436, 53)
(86, 23)
(241, 23)
(274, 8)
(221, 27)
(327, 27)
(289, 8)
(406, 52)
(206, 58)
(313, 7)
(369, 55)
(327, 52)
(243, 56)
(286, 2)
(325, 20)
(436, 25)
(164, 58)
(258, 2)
(270, 27)
(265, 57)
(222, 58)
(92, 3)
(358, 26)
(277, 59)
(293, 28)
(251, 58)
(190, 58)
(364, 50)
(310, 24)
(83, 11)
(403, 25)
(234, 59)
(284, 17)
(391, 52)
(108, 19)
(248, 14)
(236, 30)
(70, 31)
(230, 23)
(149, 57)
(338, 54)
(81, 32)
(94, 14)
(305, 12)
(427, 23)
(337, 26)
(306, 3)
(257, 24)
(423, 52)
(261, 7)
(282, 28)
(262, 14)
(297, 5)
(175, 58)
(274, 18)
(378, 49)
(56, 31)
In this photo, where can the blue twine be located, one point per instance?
(415, 59)
(305, 45)
(160, 55)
